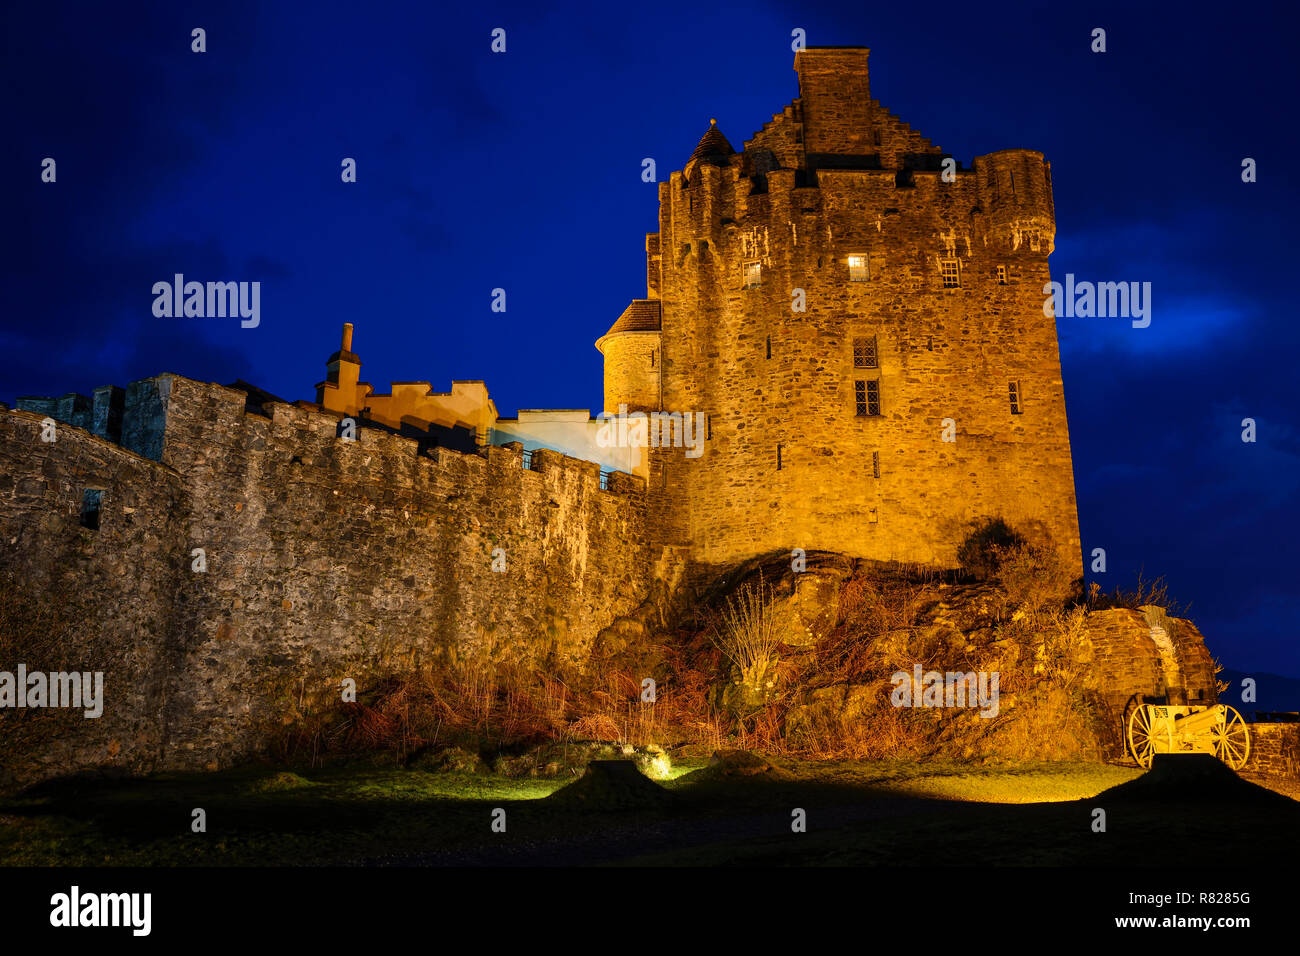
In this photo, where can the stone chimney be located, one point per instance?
(836, 99)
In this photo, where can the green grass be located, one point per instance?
(254, 817)
(357, 814)
(859, 812)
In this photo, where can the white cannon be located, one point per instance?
(1188, 729)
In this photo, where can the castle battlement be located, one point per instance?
(168, 415)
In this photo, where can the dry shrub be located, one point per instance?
(1146, 592)
(980, 555)
(878, 731)
(749, 631)
(1050, 723)
(1036, 577)
(868, 609)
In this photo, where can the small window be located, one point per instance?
(875, 137)
(90, 500)
(867, 398)
(769, 346)
(951, 271)
(864, 353)
(704, 246)
(778, 457)
(686, 248)
(752, 275)
(1002, 275)
(1016, 398)
(875, 464)
(857, 268)
(708, 427)
(652, 358)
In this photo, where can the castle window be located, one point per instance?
(652, 358)
(708, 427)
(867, 398)
(604, 480)
(778, 457)
(857, 268)
(875, 137)
(90, 501)
(1015, 396)
(704, 246)
(875, 464)
(751, 275)
(1002, 275)
(864, 353)
(769, 346)
(950, 269)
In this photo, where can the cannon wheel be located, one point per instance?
(1142, 736)
(1231, 739)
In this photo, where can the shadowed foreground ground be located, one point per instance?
(882, 813)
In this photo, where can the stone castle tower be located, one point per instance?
(862, 322)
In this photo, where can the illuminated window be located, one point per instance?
(867, 398)
(857, 268)
(951, 271)
(864, 353)
(1002, 275)
(1014, 389)
(752, 275)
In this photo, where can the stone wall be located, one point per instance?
(1274, 750)
(320, 554)
(105, 600)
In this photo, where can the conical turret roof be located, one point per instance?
(712, 144)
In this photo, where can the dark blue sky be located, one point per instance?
(522, 171)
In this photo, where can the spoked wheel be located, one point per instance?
(1231, 738)
(1143, 736)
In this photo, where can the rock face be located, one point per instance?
(1064, 679)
